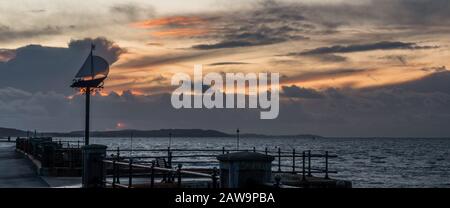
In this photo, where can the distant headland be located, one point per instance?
(5, 132)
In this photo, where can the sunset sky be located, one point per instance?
(365, 68)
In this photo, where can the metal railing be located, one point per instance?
(169, 174)
(305, 163)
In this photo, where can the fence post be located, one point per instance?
(130, 173)
(114, 174)
(152, 175)
(293, 161)
(303, 166)
(254, 149)
(309, 163)
(214, 178)
(169, 157)
(179, 175)
(267, 151)
(326, 165)
(223, 150)
(279, 159)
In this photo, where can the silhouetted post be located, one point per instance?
(9, 139)
(130, 173)
(114, 174)
(303, 166)
(223, 150)
(152, 175)
(169, 157)
(170, 139)
(237, 137)
(293, 161)
(267, 151)
(179, 175)
(214, 178)
(254, 149)
(279, 159)
(326, 165)
(86, 128)
(309, 163)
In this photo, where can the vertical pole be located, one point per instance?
(309, 163)
(170, 140)
(237, 137)
(303, 166)
(267, 151)
(179, 175)
(223, 150)
(254, 149)
(326, 164)
(152, 176)
(214, 178)
(114, 174)
(293, 161)
(279, 159)
(86, 131)
(130, 173)
(169, 157)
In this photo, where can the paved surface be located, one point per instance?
(16, 171)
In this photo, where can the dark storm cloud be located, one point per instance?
(365, 47)
(417, 108)
(253, 36)
(273, 22)
(106, 48)
(294, 91)
(151, 61)
(37, 68)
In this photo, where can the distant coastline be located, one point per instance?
(5, 132)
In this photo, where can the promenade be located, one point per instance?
(16, 171)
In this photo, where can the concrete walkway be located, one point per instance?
(16, 171)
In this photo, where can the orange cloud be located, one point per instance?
(180, 32)
(168, 21)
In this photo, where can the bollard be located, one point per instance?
(94, 173)
(244, 169)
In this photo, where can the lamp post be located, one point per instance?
(90, 78)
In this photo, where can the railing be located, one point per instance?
(169, 174)
(305, 163)
(50, 154)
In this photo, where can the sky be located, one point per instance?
(372, 68)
